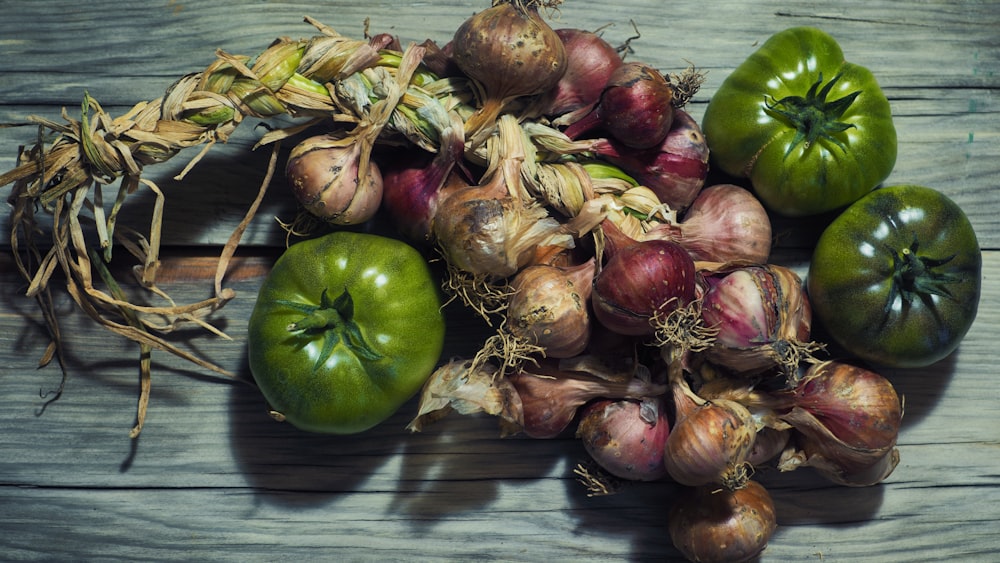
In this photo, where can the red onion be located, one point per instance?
(550, 397)
(636, 107)
(711, 525)
(640, 282)
(414, 183)
(725, 223)
(762, 316)
(590, 60)
(626, 437)
(511, 52)
(675, 170)
(847, 419)
(323, 172)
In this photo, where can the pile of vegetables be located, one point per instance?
(564, 189)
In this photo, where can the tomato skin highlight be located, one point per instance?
(385, 341)
(811, 131)
(859, 277)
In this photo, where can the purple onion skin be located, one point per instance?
(675, 170)
(590, 60)
(640, 280)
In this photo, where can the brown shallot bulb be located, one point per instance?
(847, 420)
(626, 437)
(711, 525)
(324, 174)
(711, 444)
(511, 52)
(549, 307)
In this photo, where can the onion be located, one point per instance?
(626, 437)
(323, 172)
(549, 307)
(636, 107)
(550, 397)
(641, 282)
(709, 525)
(510, 52)
(725, 223)
(762, 316)
(847, 419)
(675, 170)
(710, 442)
(488, 230)
(415, 182)
(590, 61)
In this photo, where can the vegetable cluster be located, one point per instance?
(564, 189)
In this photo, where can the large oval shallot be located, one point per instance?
(510, 51)
(762, 316)
(324, 174)
(725, 223)
(846, 419)
(626, 437)
(549, 307)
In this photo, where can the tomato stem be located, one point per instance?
(336, 319)
(916, 276)
(813, 116)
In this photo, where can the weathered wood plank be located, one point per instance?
(213, 478)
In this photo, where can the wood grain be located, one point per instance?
(213, 478)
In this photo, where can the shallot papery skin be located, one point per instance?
(675, 170)
(711, 525)
(711, 445)
(725, 223)
(640, 281)
(549, 307)
(621, 441)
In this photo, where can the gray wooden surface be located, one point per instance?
(213, 478)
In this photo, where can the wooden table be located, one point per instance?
(213, 478)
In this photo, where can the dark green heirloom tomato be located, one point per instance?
(895, 279)
(346, 328)
(812, 132)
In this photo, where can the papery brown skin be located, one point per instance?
(857, 405)
(711, 445)
(724, 223)
(323, 175)
(711, 525)
(620, 440)
(640, 281)
(549, 307)
(675, 170)
(550, 398)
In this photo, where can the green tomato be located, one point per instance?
(812, 132)
(346, 328)
(895, 279)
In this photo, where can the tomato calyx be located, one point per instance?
(812, 116)
(335, 319)
(916, 276)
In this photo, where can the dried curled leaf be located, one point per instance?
(460, 386)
